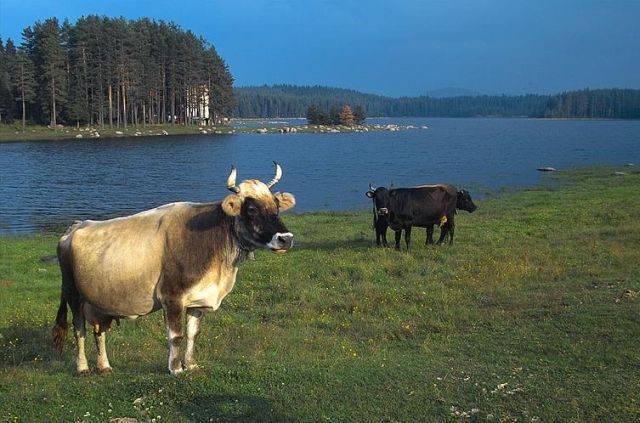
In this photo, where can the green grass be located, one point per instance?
(525, 318)
(13, 132)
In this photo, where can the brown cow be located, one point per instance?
(181, 257)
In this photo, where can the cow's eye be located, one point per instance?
(252, 210)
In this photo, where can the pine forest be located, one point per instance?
(112, 72)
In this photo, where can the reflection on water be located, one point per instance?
(53, 183)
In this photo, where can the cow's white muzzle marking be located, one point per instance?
(281, 242)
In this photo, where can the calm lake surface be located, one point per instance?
(53, 183)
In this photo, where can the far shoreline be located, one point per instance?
(10, 133)
(13, 133)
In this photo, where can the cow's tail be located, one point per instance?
(59, 331)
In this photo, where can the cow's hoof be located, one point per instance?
(176, 372)
(83, 373)
(193, 366)
(105, 371)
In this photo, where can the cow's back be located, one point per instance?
(117, 263)
(422, 206)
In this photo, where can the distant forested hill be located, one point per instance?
(293, 101)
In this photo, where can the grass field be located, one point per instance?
(13, 132)
(533, 315)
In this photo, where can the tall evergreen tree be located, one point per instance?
(7, 59)
(50, 60)
(359, 115)
(24, 83)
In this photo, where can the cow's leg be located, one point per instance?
(80, 333)
(429, 235)
(194, 316)
(451, 231)
(398, 236)
(100, 335)
(101, 324)
(407, 237)
(384, 238)
(447, 230)
(173, 320)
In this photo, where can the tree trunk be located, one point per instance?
(24, 107)
(163, 95)
(124, 106)
(110, 108)
(173, 107)
(53, 103)
(101, 96)
(118, 109)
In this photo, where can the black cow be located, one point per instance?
(463, 202)
(380, 220)
(422, 206)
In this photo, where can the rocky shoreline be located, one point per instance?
(61, 132)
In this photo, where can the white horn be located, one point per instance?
(231, 181)
(277, 177)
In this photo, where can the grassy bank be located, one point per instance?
(9, 133)
(13, 132)
(533, 315)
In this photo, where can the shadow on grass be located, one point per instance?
(26, 346)
(232, 408)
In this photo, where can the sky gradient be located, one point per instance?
(397, 47)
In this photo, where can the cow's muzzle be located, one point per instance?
(281, 242)
(383, 211)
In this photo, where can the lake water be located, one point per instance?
(53, 183)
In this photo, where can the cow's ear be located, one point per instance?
(369, 194)
(285, 200)
(232, 205)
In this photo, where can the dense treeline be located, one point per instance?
(294, 101)
(607, 104)
(112, 71)
(335, 116)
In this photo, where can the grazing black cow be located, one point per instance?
(422, 206)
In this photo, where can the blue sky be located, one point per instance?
(396, 47)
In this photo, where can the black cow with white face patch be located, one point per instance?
(380, 214)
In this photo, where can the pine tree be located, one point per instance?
(7, 60)
(346, 116)
(334, 115)
(313, 115)
(359, 115)
(50, 66)
(24, 83)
